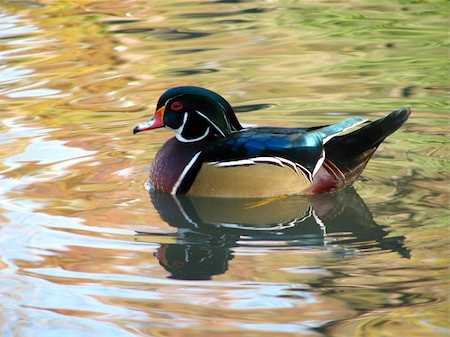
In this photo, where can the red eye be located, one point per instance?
(176, 106)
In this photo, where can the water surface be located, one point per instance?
(86, 250)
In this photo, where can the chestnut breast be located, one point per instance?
(169, 163)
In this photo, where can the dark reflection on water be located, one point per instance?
(187, 72)
(209, 228)
(216, 14)
(251, 107)
(162, 33)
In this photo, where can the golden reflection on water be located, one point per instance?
(76, 76)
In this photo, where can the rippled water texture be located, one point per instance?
(86, 251)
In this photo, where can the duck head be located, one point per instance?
(194, 114)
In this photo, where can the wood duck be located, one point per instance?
(213, 155)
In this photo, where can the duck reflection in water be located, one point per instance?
(208, 228)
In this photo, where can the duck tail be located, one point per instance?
(350, 153)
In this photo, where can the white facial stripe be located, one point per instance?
(180, 137)
(179, 131)
(172, 98)
(225, 118)
(185, 171)
(210, 122)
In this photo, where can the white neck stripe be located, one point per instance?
(210, 122)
